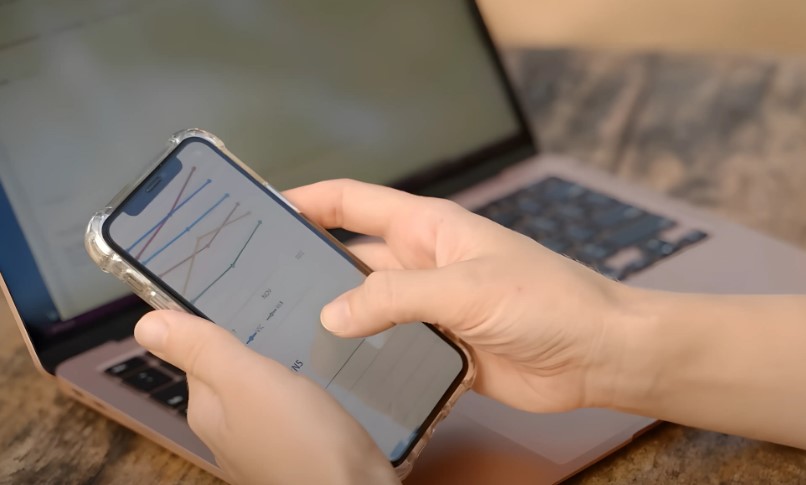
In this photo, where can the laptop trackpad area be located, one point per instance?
(560, 437)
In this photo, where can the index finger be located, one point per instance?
(356, 206)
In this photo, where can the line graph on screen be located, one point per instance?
(159, 235)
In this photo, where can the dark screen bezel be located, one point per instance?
(469, 169)
(316, 230)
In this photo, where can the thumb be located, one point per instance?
(204, 350)
(396, 296)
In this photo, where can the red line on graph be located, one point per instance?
(159, 228)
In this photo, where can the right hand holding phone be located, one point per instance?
(542, 327)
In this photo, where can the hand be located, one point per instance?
(263, 423)
(541, 326)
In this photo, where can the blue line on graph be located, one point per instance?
(186, 230)
(230, 266)
(254, 334)
(169, 214)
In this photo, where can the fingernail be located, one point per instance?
(336, 315)
(151, 332)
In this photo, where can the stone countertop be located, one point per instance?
(724, 133)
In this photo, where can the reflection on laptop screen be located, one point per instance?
(90, 90)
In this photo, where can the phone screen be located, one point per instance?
(234, 252)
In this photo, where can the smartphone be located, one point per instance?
(199, 231)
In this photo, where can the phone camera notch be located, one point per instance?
(153, 183)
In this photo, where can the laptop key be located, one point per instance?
(174, 396)
(171, 368)
(637, 230)
(147, 379)
(529, 205)
(126, 366)
(539, 225)
(505, 218)
(597, 199)
(559, 190)
(579, 233)
(616, 215)
(659, 247)
(571, 212)
(691, 238)
(594, 253)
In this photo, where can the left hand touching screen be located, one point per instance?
(263, 423)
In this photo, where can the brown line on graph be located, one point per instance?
(193, 256)
(198, 240)
(197, 249)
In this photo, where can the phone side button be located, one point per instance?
(134, 282)
(158, 301)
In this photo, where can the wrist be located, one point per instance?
(665, 345)
(628, 366)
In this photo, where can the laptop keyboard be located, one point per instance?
(615, 238)
(155, 378)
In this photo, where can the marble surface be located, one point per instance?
(724, 133)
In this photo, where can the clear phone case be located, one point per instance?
(111, 262)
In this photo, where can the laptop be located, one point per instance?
(409, 94)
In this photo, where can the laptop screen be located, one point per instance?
(90, 91)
